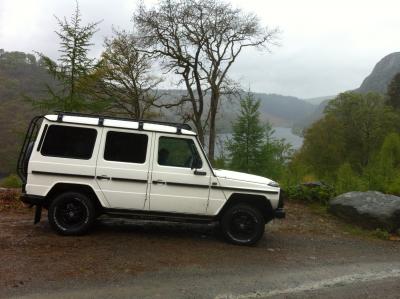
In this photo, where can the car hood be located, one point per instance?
(241, 176)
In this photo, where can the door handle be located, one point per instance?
(160, 182)
(103, 177)
(199, 172)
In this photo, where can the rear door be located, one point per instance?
(122, 171)
(180, 181)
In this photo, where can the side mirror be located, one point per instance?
(196, 163)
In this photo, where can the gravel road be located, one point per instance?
(308, 255)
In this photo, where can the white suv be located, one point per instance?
(81, 166)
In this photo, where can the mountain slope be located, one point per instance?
(382, 74)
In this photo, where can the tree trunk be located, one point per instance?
(213, 132)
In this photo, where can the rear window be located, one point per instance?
(126, 147)
(69, 142)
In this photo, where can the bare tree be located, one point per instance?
(199, 40)
(124, 77)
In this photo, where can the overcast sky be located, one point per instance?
(326, 46)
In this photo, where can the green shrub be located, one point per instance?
(321, 193)
(347, 180)
(381, 234)
(394, 186)
(11, 181)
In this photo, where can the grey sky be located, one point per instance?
(326, 46)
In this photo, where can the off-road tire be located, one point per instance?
(242, 224)
(71, 213)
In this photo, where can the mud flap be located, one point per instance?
(38, 214)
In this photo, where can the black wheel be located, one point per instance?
(243, 224)
(71, 213)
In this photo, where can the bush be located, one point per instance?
(381, 234)
(394, 186)
(347, 180)
(311, 192)
(12, 181)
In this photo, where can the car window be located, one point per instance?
(178, 152)
(69, 142)
(126, 147)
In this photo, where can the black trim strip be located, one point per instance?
(205, 155)
(42, 137)
(128, 180)
(155, 215)
(63, 174)
(244, 189)
(187, 185)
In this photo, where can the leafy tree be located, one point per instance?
(355, 146)
(348, 180)
(72, 67)
(246, 145)
(323, 150)
(123, 79)
(199, 41)
(393, 92)
(366, 120)
(384, 170)
(352, 130)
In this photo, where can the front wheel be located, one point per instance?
(71, 213)
(243, 224)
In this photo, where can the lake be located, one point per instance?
(280, 132)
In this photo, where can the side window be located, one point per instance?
(178, 152)
(126, 147)
(69, 142)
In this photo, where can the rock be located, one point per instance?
(368, 209)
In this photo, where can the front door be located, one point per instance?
(180, 181)
(123, 164)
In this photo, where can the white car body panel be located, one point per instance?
(45, 172)
(127, 188)
(183, 191)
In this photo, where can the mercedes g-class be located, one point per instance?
(80, 166)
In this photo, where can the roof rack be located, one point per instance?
(179, 126)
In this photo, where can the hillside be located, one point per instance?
(377, 81)
(382, 74)
(22, 76)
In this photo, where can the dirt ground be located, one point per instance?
(117, 250)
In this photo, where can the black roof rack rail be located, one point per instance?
(101, 117)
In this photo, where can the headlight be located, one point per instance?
(273, 184)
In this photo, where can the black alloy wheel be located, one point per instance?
(71, 213)
(243, 224)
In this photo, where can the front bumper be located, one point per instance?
(279, 213)
(32, 199)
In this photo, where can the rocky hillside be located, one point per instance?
(382, 74)
(377, 81)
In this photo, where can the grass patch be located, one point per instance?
(9, 200)
(361, 232)
(319, 209)
(11, 181)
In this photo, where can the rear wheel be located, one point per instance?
(243, 224)
(71, 213)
